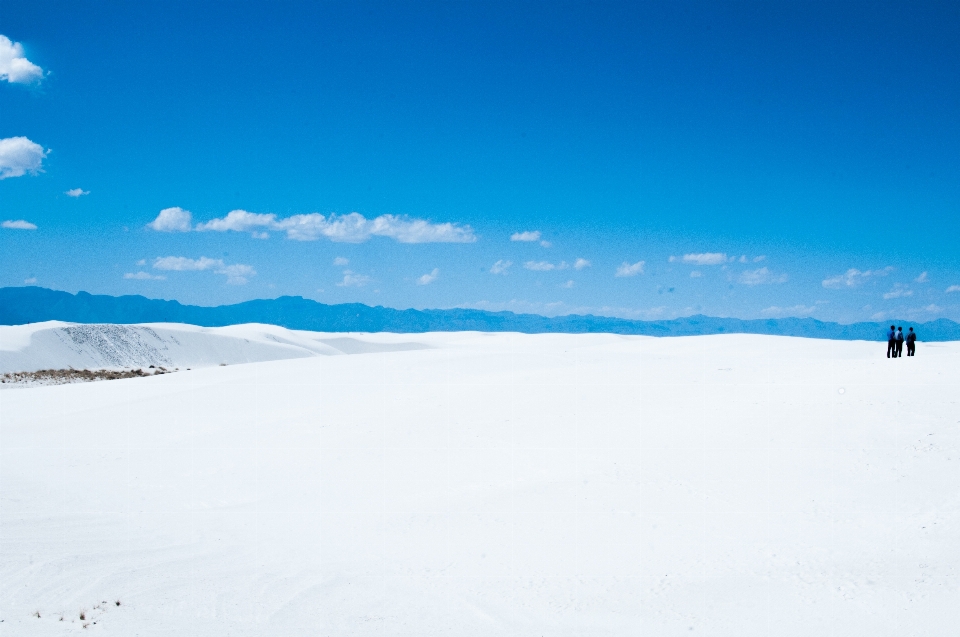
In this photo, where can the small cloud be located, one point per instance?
(529, 235)
(144, 276)
(923, 278)
(500, 267)
(580, 264)
(30, 281)
(628, 269)
(237, 274)
(853, 278)
(260, 235)
(353, 280)
(545, 266)
(743, 259)
(19, 156)
(761, 276)
(953, 288)
(341, 261)
(567, 285)
(933, 308)
(798, 311)
(174, 219)
(545, 244)
(703, 258)
(239, 221)
(14, 65)
(898, 291)
(759, 259)
(76, 192)
(18, 224)
(427, 279)
(695, 274)
(142, 262)
(879, 316)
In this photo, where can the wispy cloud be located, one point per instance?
(14, 65)
(500, 267)
(144, 276)
(853, 278)
(580, 264)
(349, 228)
(569, 284)
(174, 219)
(341, 261)
(798, 311)
(76, 192)
(761, 276)
(953, 288)
(529, 235)
(899, 291)
(353, 280)
(30, 281)
(429, 278)
(630, 269)
(19, 156)
(702, 258)
(545, 266)
(695, 274)
(18, 224)
(237, 273)
(923, 278)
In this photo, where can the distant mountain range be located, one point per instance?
(21, 305)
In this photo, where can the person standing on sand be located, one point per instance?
(892, 342)
(912, 343)
(900, 342)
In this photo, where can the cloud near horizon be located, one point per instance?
(500, 267)
(19, 156)
(528, 235)
(348, 228)
(798, 311)
(703, 258)
(853, 278)
(429, 278)
(545, 266)
(237, 274)
(14, 65)
(18, 224)
(761, 276)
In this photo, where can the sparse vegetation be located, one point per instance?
(83, 615)
(117, 602)
(64, 376)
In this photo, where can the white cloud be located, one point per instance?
(933, 308)
(545, 244)
(567, 285)
(239, 221)
(352, 279)
(341, 261)
(798, 311)
(144, 276)
(703, 258)
(142, 262)
(172, 220)
(853, 278)
(627, 269)
(18, 224)
(529, 235)
(427, 279)
(923, 278)
(898, 291)
(953, 288)
(545, 266)
(580, 264)
(759, 259)
(237, 274)
(14, 65)
(500, 267)
(76, 192)
(760, 276)
(19, 156)
(349, 228)
(695, 274)
(30, 281)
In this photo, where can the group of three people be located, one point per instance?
(895, 339)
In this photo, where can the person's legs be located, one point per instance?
(891, 347)
(911, 348)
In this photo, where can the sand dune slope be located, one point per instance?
(494, 484)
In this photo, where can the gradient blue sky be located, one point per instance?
(694, 137)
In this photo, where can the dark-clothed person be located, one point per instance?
(892, 342)
(911, 343)
(899, 341)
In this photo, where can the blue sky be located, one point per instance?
(645, 160)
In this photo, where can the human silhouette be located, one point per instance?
(900, 341)
(892, 342)
(911, 343)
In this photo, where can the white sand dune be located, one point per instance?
(58, 345)
(494, 484)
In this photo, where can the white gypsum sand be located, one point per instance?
(495, 484)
